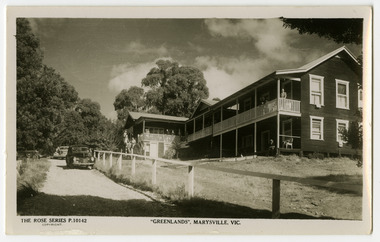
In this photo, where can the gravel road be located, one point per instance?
(62, 181)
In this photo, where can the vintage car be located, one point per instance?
(61, 152)
(80, 156)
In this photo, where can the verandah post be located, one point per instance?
(191, 181)
(276, 198)
(104, 158)
(110, 160)
(98, 155)
(154, 170)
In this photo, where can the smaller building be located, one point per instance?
(154, 132)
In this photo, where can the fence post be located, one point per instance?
(104, 159)
(119, 161)
(110, 160)
(133, 165)
(191, 181)
(276, 198)
(154, 170)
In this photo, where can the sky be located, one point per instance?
(101, 57)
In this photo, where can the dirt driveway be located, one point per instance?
(73, 182)
(84, 192)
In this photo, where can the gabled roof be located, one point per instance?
(137, 115)
(202, 105)
(311, 65)
(209, 102)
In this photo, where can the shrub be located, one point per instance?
(32, 174)
(169, 154)
(175, 194)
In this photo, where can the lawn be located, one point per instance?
(214, 188)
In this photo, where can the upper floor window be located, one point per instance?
(316, 90)
(360, 98)
(316, 128)
(342, 94)
(340, 126)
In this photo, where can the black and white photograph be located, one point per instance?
(189, 120)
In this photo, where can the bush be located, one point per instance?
(169, 154)
(32, 174)
(176, 194)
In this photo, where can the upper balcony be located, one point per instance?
(268, 109)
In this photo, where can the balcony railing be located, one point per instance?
(248, 116)
(290, 105)
(200, 134)
(166, 138)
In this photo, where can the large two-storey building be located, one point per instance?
(299, 110)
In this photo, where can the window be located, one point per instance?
(342, 94)
(316, 90)
(340, 125)
(316, 128)
(360, 98)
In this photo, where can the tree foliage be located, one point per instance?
(354, 134)
(174, 90)
(49, 111)
(341, 30)
(42, 102)
(29, 54)
(131, 99)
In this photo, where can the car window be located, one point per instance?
(80, 149)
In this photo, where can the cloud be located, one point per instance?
(268, 36)
(46, 27)
(225, 76)
(137, 48)
(196, 48)
(125, 75)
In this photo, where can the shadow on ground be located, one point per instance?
(53, 205)
(347, 180)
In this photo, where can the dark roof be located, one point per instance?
(318, 61)
(138, 115)
(202, 105)
(209, 102)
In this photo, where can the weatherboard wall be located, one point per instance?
(332, 69)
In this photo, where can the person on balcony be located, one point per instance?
(283, 93)
(263, 100)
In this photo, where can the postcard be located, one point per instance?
(189, 120)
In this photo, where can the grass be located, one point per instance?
(172, 191)
(31, 176)
(213, 187)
